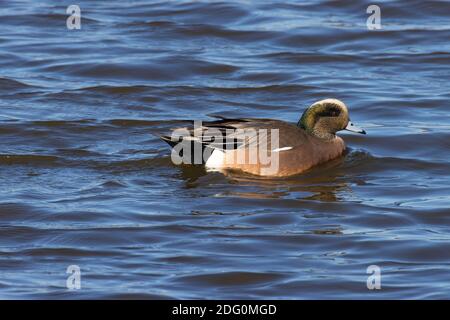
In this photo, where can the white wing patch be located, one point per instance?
(281, 149)
(216, 159)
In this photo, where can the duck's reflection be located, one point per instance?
(325, 183)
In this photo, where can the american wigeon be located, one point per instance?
(263, 146)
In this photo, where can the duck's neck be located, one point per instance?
(321, 134)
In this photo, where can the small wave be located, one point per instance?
(31, 159)
(191, 12)
(39, 19)
(232, 279)
(64, 253)
(8, 85)
(169, 68)
(135, 165)
(62, 123)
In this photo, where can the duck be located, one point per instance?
(265, 147)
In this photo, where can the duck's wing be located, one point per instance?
(230, 134)
(219, 134)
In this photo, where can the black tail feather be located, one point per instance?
(169, 141)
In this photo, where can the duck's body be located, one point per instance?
(268, 147)
(297, 150)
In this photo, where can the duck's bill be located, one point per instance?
(351, 127)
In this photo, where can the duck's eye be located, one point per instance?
(335, 112)
(330, 112)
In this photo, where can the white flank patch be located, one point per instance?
(281, 149)
(190, 138)
(216, 159)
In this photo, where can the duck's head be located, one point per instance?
(326, 117)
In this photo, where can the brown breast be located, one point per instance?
(307, 152)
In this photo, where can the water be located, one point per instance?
(86, 181)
